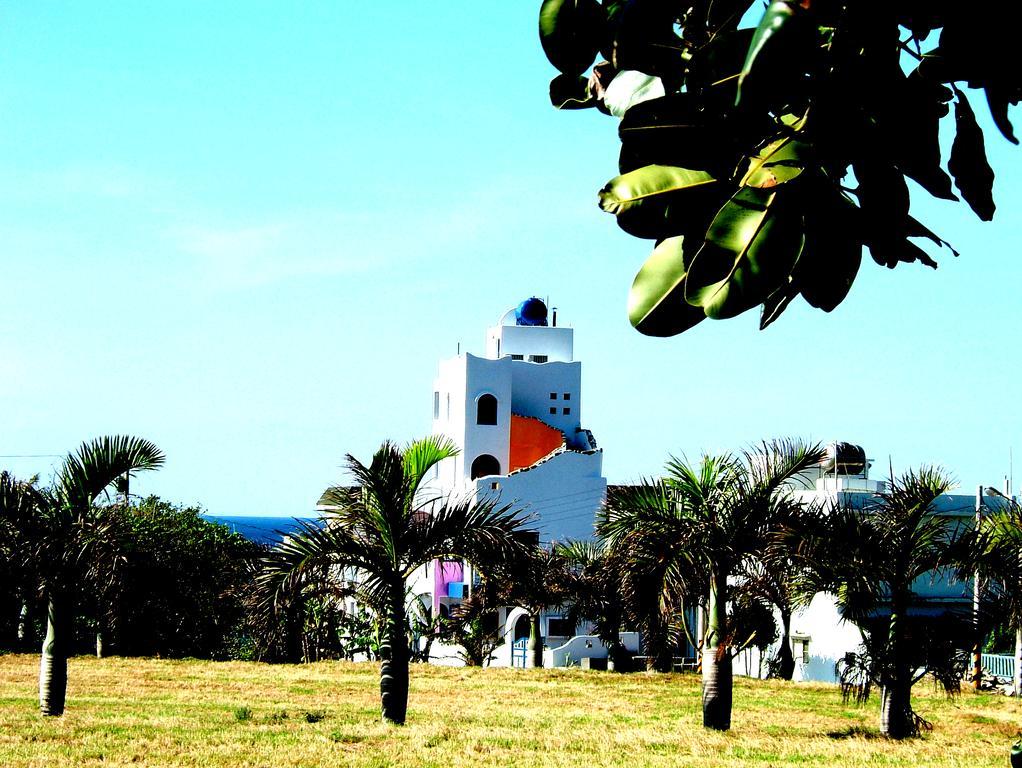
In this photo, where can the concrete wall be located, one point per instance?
(570, 653)
(563, 493)
(533, 383)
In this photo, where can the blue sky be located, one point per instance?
(249, 232)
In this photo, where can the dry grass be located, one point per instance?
(152, 712)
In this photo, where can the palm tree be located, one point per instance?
(20, 571)
(385, 528)
(869, 557)
(994, 550)
(714, 516)
(657, 581)
(68, 536)
(593, 587)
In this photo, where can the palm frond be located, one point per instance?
(774, 462)
(420, 456)
(312, 546)
(384, 496)
(98, 463)
(482, 533)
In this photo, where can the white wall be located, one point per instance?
(554, 342)
(487, 377)
(532, 384)
(581, 646)
(450, 386)
(563, 493)
(830, 638)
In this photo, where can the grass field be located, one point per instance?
(151, 712)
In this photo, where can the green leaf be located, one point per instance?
(997, 100)
(884, 201)
(913, 228)
(833, 251)
(714, 68)
(778, 162)
(644, 39)
(569, 31)
(920, 105)
(776, 303)
(674, 131)
(571, 92)
(775, 50)
(750, 250)
(656, 301)
(640, 199)
(968, 162)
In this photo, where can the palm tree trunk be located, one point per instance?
(716, 657)
(53, 662)
(896, 697)
(895, 711)
(534, 648)
(294, 625)
(785, 657)
(394, 658)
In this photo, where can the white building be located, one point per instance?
(515, 414)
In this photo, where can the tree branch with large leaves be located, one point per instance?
(739, 146)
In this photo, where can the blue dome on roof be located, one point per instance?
(531, 312)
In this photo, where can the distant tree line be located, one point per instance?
(167, 583)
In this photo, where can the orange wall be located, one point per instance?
(531, 440)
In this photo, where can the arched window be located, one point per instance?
(486, 410)
(484, 465)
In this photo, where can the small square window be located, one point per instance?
(566, 411)
(553, 395)
(567, 395)
(494, 486)
(517, 357)
(553, 410)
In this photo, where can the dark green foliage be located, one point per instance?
(182, 583)
(747, 154)
(159, 580)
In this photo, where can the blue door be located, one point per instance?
(518, 652)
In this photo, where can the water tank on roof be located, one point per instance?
(531, 312)
(845, 459)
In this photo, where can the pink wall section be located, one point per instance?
(443, 574)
